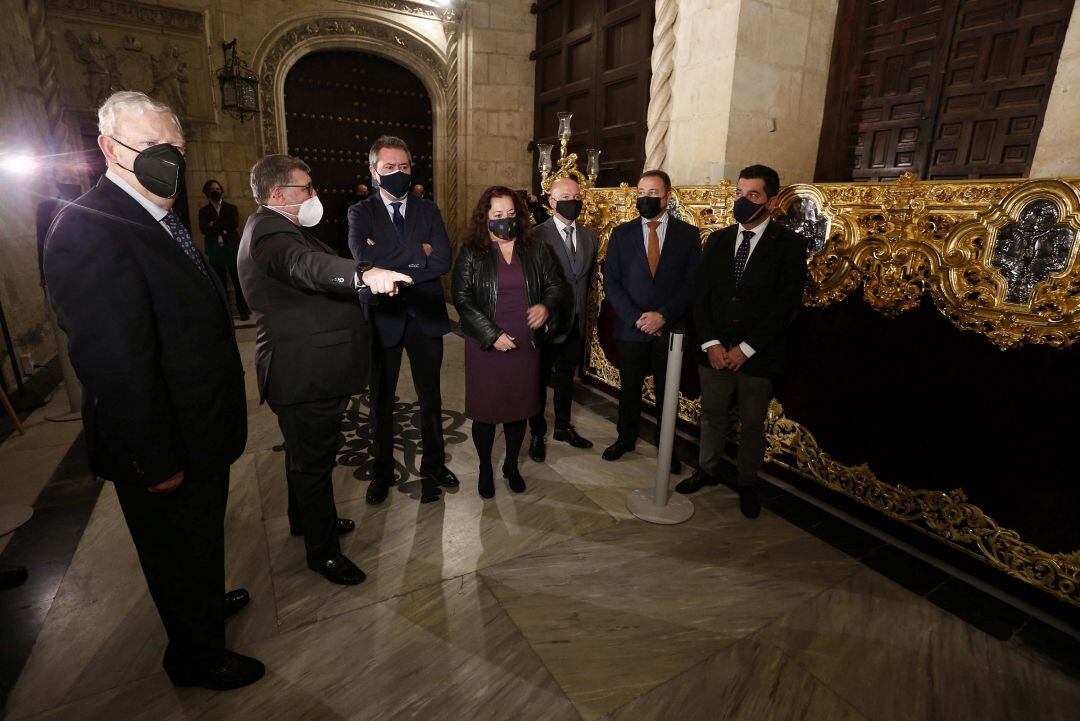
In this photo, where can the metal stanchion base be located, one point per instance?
(641, 504)
(11, 517)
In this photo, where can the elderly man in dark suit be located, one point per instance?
(747, 290)
(575, 248)
(219, 222)
(312, 345)
(399, 231)
(151, 339)
(648, 263)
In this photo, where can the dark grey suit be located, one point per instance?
(563, 354)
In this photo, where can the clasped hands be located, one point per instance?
(721, 358)
(535, 317)
(650, 322)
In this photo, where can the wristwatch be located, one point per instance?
(362, 267)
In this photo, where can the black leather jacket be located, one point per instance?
(475, 289)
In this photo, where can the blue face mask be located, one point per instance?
(745, 210)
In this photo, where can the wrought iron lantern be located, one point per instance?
(239, 86)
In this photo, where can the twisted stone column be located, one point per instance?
(452, 99)
(46, 66)
(663, 63)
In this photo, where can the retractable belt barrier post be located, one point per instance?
(658, 505)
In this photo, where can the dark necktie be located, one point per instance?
(742, 255)
(571, 249)
(183, 239)
(399, 221)
(653, 250)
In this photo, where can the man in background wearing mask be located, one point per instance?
(165, 412)
(746, 292)
(648, 263)
(218, 222)
(312, 346)
(399, 231)
(575, 248)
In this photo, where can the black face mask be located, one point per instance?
(215, 195)
(648, 206)
(504, 228)
(569, 209)
(159, 169)
(746, 210)
(397, 184)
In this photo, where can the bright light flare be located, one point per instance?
(21, 164)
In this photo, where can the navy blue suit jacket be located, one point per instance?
(632, 289)
(372, 239)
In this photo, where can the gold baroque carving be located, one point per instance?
(948, 516)
(157, 16)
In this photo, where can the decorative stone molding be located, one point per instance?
(663, 63)
(158, 16)
(413, 8)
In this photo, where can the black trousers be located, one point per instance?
(557, 365)
(425, 359)
(637, 360)
(180, 539)
(225, 272)
(483, 435)
(312, 433)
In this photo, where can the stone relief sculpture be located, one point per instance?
(131, 68)
(100, 69)
(170, 77)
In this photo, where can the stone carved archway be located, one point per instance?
(438, 70)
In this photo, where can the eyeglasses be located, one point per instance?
(310, 187)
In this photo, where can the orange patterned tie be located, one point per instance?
(654, 247)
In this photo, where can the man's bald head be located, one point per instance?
(565, 189)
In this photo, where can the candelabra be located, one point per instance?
(567, 165)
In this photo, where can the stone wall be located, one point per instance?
(749, 83)
(23, 128)
(1057, 153)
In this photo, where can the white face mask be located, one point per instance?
(310, 214)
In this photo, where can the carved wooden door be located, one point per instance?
(939, 88)
(593, 59)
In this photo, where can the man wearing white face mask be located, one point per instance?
(312, 345)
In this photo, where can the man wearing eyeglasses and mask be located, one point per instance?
(150, 336)
(396, 230)
(312, 346)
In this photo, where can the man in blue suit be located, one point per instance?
(395, 230)
(649, 263)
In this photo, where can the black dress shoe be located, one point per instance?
(12, 576)
(228, 671)
(486, 485)
(514, 479)
(537, 450)
(445, 478)
(696, 482)
(429, 490)
(377, 491)
(749, 502)
(235, 601)
(344, 525)
(339, 570)
(616, 450)
(570, 435)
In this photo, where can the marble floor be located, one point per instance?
(552, 604)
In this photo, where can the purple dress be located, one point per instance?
(504, 387)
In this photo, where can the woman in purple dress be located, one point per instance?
(510, 294)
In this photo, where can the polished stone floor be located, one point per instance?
(553, 604)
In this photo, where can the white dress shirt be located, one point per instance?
(757, 233)
(156, 211)
(661, 230)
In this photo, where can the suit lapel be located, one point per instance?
(558, 240)
(383, 225)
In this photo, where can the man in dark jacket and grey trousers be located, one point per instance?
(312, 345)
(575, 248)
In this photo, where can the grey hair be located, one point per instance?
(272, 172)
(128, 101)
(387, 141)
